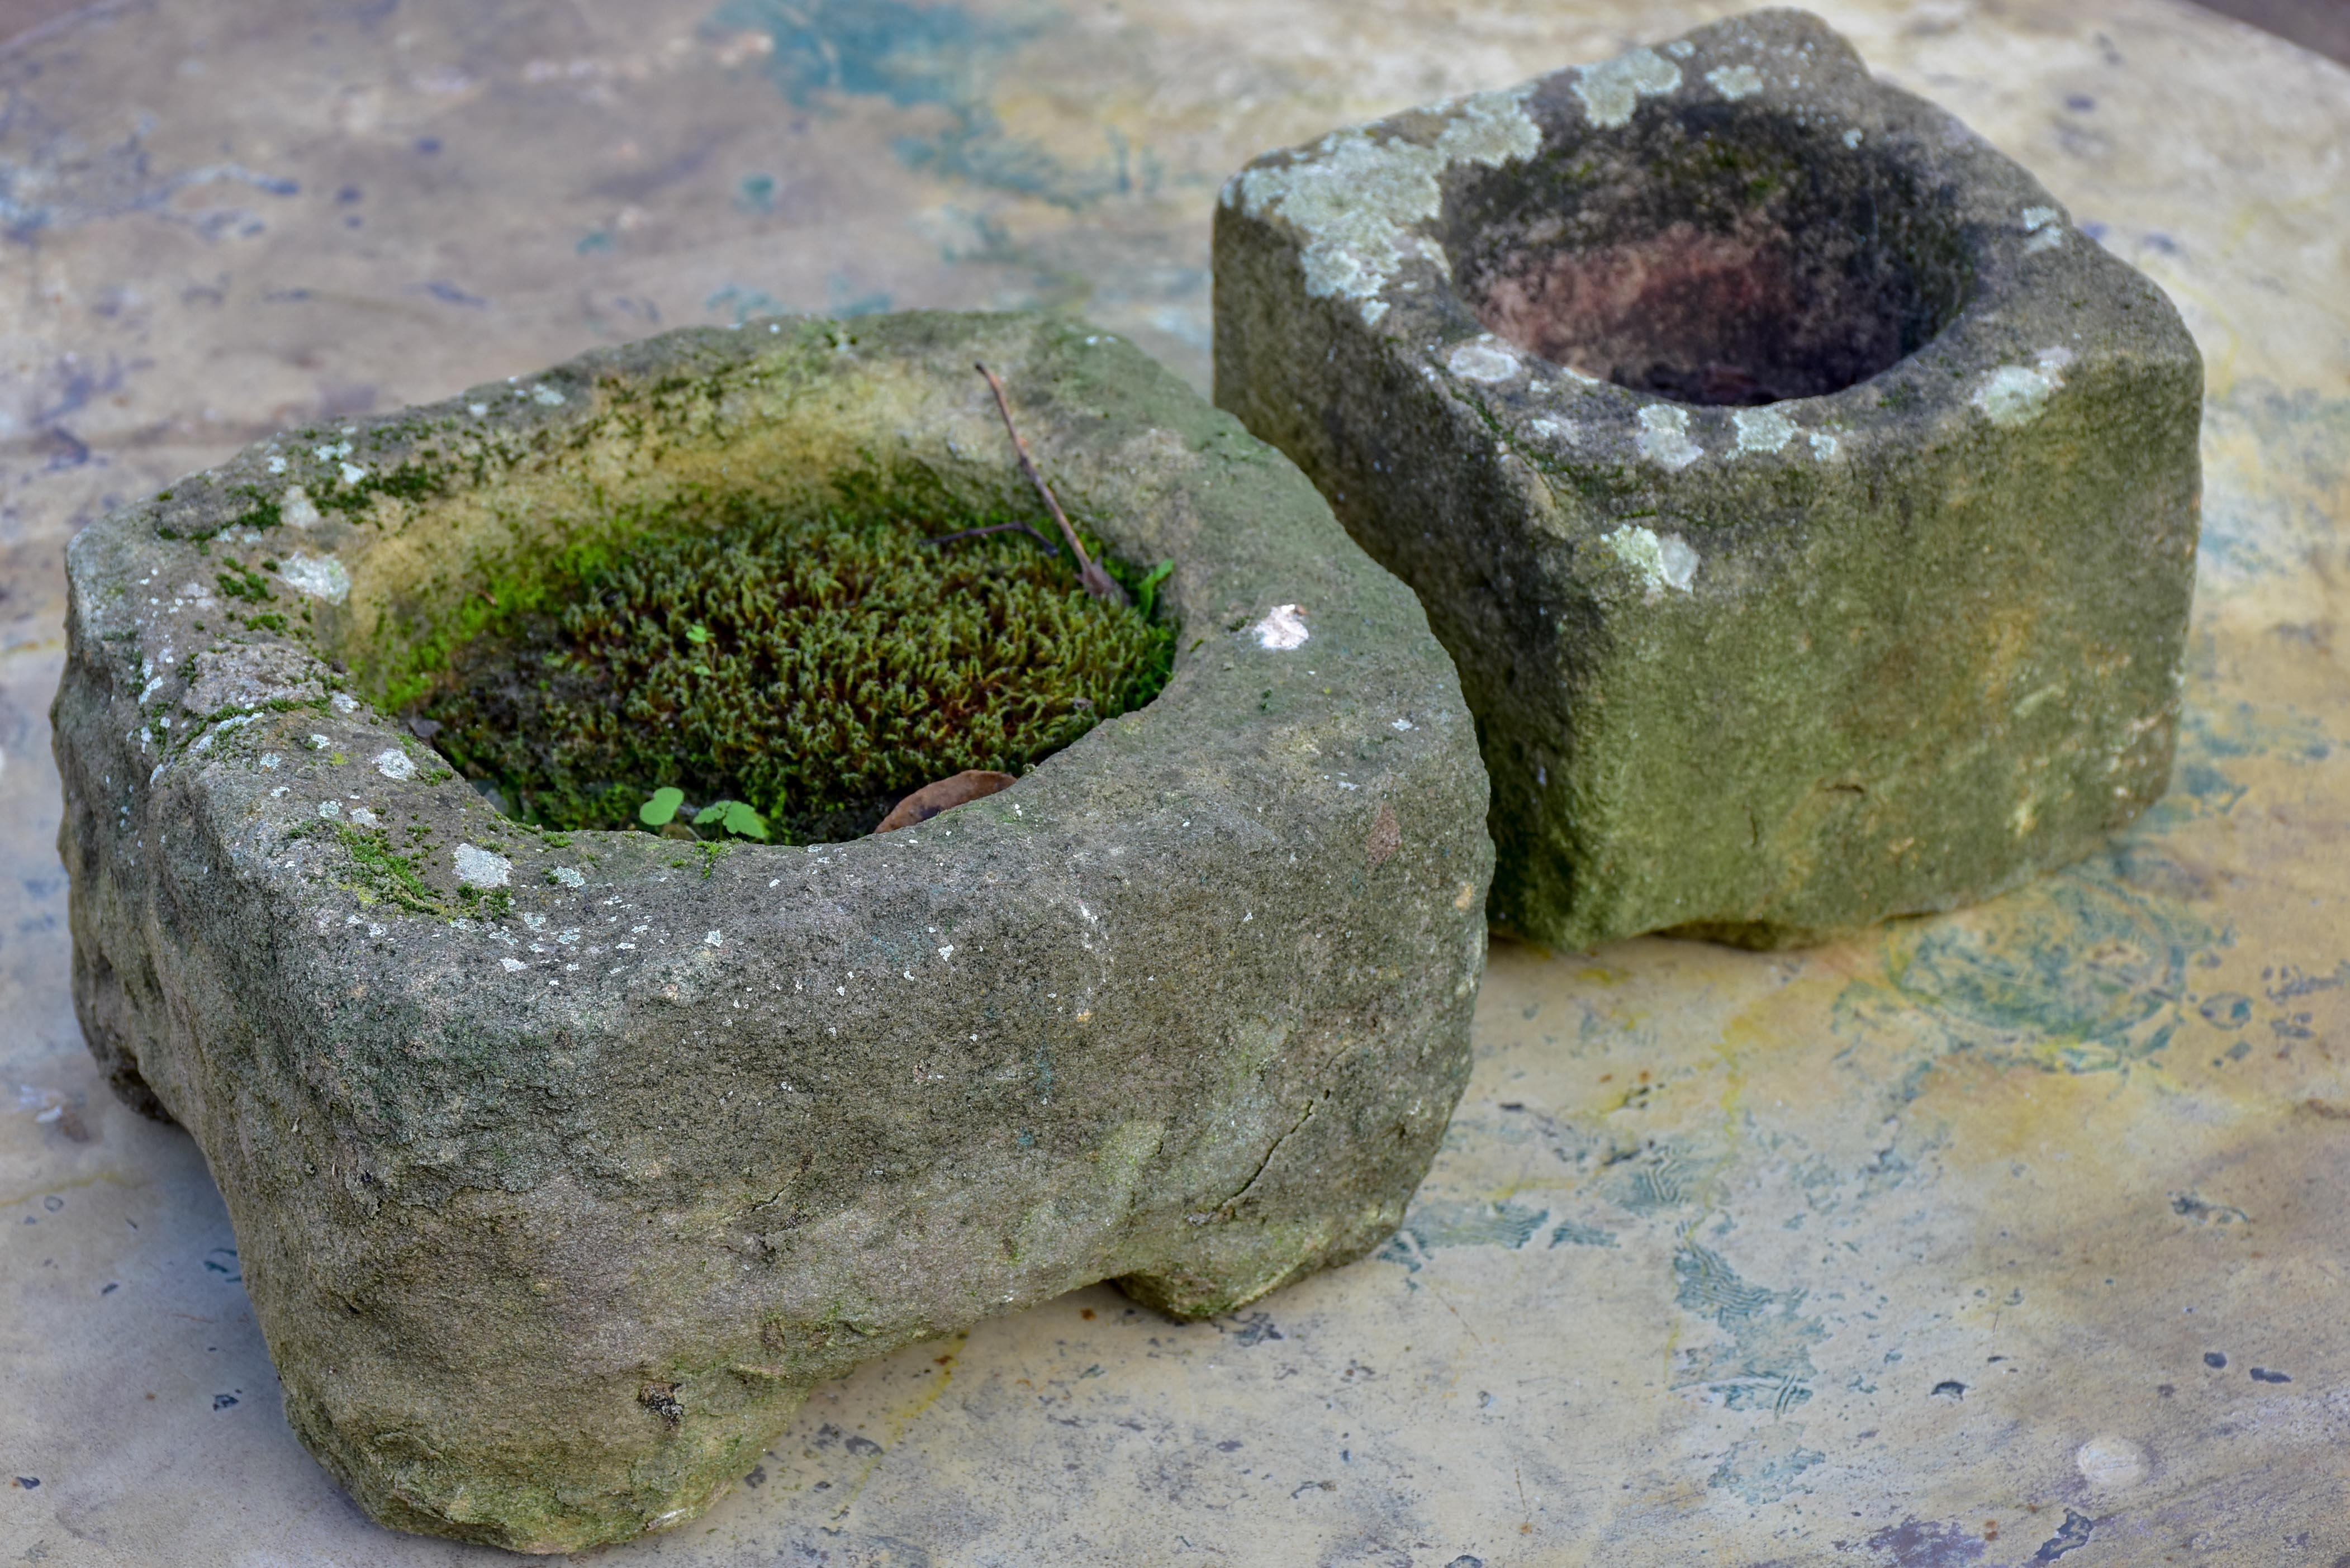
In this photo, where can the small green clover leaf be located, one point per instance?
(697, 634)
(659, 810)
(734, 816)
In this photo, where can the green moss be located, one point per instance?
(385, 875)
(815, 668)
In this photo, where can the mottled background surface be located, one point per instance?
(2015, 1237)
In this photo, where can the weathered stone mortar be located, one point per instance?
(1810, 508)
(561, 1166)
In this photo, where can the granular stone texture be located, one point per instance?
(562, 1165)
(1810, 508)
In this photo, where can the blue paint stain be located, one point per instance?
(449, 292)
(936, 57)
(2079, 972)
(2071, 1536)
(755, 192)
(909, 54)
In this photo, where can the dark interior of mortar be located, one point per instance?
(1715, 255)
(817, 668)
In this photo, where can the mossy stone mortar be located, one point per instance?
(562, 1165)
(1810, 508)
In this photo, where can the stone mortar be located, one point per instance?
(1810, 508)
(562, 1168)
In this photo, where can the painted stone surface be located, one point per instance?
(563, 1165)
(1700, 1316)
(1811, 507)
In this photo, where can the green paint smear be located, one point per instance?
(815, 668)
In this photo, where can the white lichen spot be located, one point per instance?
(1665, 438)
(270, 760)
(1352, 198)
(1283, 630)
(534, 921)
(1485, 361)
(395, 765)
(1552, 427)
(277, 465)
(1400, 724)
(352, 474)
(330, 808)
(1680, 48)
(512, 966)
(478, 868)
(1374, 310)
(2046, 227)
(2110, 1462)
(1662, 561)
(1763, 430)
(1734, 82)
(363, 816)
(345, 702)
(1824, 446)
(329, 453)
(1853, 138)
(477, 410)
(568, 876)
(296, 508)
(2016, 394)
(712, 940)
(546, 395)
(320, 577)
(1612, 90)
(319, 743)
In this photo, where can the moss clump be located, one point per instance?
(385, 875)
(816, 668)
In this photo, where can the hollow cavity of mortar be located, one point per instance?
(1717, 254)
(817, 663)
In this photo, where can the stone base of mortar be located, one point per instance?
(560, 1176)
(1810, 508)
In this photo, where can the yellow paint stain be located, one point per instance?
(902, 1421)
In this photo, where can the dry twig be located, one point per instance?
(994, 528)
(1096, 582)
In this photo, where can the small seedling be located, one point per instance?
(1146, 592)
(661, 809)
(736, 818)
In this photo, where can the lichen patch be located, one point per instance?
(1355, 196)
(1734, 82)
(320, 577)
(479, 867)
(1486, 362)
(1661, 562)
(1665, 438)
(1612, 90)
(1763, 430)
(2016, 395)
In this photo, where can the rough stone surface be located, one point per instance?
(562, 1168)
(1810, 508)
